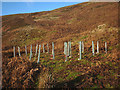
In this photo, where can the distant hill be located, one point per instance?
(47, 26)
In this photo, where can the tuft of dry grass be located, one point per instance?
(45, 80)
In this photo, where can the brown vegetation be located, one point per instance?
(81, 22)
(20, 72)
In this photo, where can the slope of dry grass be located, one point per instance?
(81, 22)
(46, 27)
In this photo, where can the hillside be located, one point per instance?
(81, 22)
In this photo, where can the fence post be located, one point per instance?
(82, 47)
(53, 54)
(93, 48)
(14, 51)
(43, 48)
(106, 47)
(39, 54)
(80, 51)
(47, 48)
(36, 50)
(19, 51)
(65, 47)
(26, 50)
(97, 47)
(30, 52)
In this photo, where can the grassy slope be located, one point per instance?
(54, 25)
(98, 71)
(86, 22)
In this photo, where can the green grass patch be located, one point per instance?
(53, 31)
(84, 37)
(111, 47)
(108, 86)
(112, 72)
(60, 79)
(100, 77)
(118, 46)
(57, 69)
(95, 86)
(72, 75)
(36, 38)
(102, 54)
(71, 20)
(109, 63)
(84, 61)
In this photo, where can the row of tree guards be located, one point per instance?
(67, 50)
